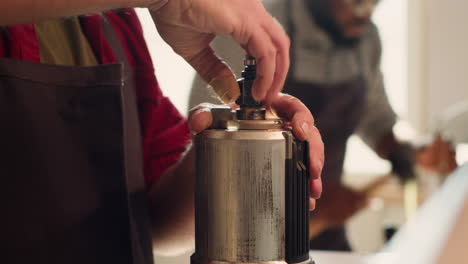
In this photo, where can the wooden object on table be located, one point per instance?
(334, 210)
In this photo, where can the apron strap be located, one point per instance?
(133, 163)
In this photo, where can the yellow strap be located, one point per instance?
(62, 42)
(411, 198)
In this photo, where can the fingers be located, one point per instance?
(261, 47)
(225, 87)
(190, 26)
(282, 42)
(200, 118)
(312, 203)
(302, 121)
(316, 188)
(316, 153)
(216, 73)
(291, 108)
(269, 44)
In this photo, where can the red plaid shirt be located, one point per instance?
(164, 130)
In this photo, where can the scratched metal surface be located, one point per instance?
(240, 197)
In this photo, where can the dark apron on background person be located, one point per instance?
(71, 164)
(337, 110)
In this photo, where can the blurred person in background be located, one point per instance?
(335, 70)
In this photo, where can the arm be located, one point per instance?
(378, 116)
(377, 132)
(172, 208)
(232, 55)
(376, 127)
(30, 11)
(189, 26)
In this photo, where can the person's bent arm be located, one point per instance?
(31, 11)
(189, 26)
(172, 208)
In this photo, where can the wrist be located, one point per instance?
(402, 161)
(155, 5)
(387, 145)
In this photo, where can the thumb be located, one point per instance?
(200, 121)
(217, 74)
(200, 118)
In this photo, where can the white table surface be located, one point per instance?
(423, 240)
(334, 257)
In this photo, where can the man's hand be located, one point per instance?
(400, 155)
(302, 122)
(439, 156)
(189, 26)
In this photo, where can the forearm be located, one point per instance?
(31, 11)
(172, 208)
(386, 144)
(400, 155)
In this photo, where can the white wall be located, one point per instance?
(174, 74)
(447, 54)
(438, 58)
(392, 22)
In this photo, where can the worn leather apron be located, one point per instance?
(70, 163)
(337, 109)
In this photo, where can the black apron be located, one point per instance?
(337, 109)
(71, 164)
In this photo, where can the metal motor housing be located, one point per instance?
(252, 191)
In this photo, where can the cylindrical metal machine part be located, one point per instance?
(240, 204)
(251, 113)
(249, 74)
(252, 187)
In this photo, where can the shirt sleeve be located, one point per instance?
(165, 131)
(165, 135)
(379, 117)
